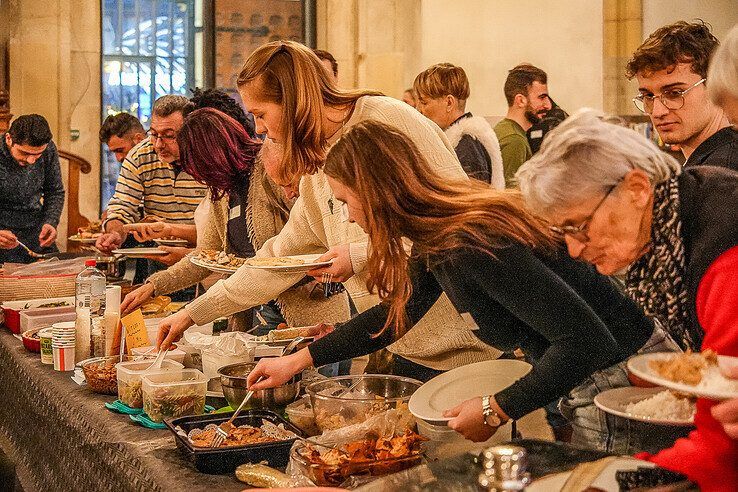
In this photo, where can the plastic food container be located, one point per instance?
(174, 393)
(369, 395)
(13, 309)
(42, 318)
(333, 475)
(225, 460)
(129, 379)
(150, 351)
(300, 413)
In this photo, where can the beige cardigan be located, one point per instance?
(266, 214)
(441, 339)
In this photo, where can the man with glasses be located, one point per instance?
(151, 183)
(671, 68)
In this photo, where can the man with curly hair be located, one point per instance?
(671, 69)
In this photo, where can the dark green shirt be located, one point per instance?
(514, 147)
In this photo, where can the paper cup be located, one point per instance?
(63, 358)
(47, 355)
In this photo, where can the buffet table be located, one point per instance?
(59, 434)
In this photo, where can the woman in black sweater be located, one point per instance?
(497, 263)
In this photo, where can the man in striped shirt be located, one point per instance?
(150, 177)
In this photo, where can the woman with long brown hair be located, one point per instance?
(497, 263)
(296, 103)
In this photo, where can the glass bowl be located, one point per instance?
(347, 400)
(324, 475)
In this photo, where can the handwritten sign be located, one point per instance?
(135, 329)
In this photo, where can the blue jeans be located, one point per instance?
(596, 429)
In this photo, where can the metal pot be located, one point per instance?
(233, 382)
(111, 266)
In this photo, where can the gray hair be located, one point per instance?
(722, 77)
(585, 156)
(171, 103)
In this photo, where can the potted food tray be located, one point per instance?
(226, 459)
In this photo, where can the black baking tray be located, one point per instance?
(225, 460)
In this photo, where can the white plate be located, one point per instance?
(83, 240)
(308, 264)
(453, 387)
(639, 366)
(212, 267)
(138, 252)
(605, 481)
(616, 400)
(171, 242)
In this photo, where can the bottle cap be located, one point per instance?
(90, 263)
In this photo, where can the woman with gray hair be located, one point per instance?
(621, 204)
(722, 77)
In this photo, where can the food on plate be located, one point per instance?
(130, 392)
(263, 476)
(685, 368)
(163, 403)
(219, 258)
(242, 435)
(290, 333)
(156, 305)
(665, 405)
(101, 376)
(372, 456)
(92, 231)
(276, 261)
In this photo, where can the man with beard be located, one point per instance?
(526, 92)
(671, 68)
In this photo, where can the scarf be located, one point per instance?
(656, 280)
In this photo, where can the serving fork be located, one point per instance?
(222, 431)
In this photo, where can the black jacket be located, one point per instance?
(720, 150)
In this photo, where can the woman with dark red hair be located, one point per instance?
(246, 209)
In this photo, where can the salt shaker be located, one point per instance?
(504, 469)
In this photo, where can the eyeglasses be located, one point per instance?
(580, 232)
(671, 99)
(167, 139)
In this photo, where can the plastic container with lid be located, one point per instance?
(150, 351)
(129, 379)
(43, 318)
(169, 394)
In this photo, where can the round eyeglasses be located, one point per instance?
(671, 99)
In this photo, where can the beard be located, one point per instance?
(534, 116)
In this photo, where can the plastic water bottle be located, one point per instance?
(90, 290)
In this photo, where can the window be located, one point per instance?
(148, 48)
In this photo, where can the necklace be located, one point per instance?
(340, 128)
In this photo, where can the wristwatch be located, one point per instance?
(490, 416)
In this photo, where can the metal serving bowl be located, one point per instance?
(233, 381)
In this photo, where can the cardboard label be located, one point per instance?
(135, 329)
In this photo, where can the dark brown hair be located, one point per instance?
(291, 75)
(680, 42)
(120, 124)
(519, 80)
(403, 197)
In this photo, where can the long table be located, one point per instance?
(61, 437)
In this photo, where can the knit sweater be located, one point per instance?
(563, 314)
(441, 340)
(265, 217)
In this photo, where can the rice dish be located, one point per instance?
(663, 406)
(714, 381)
